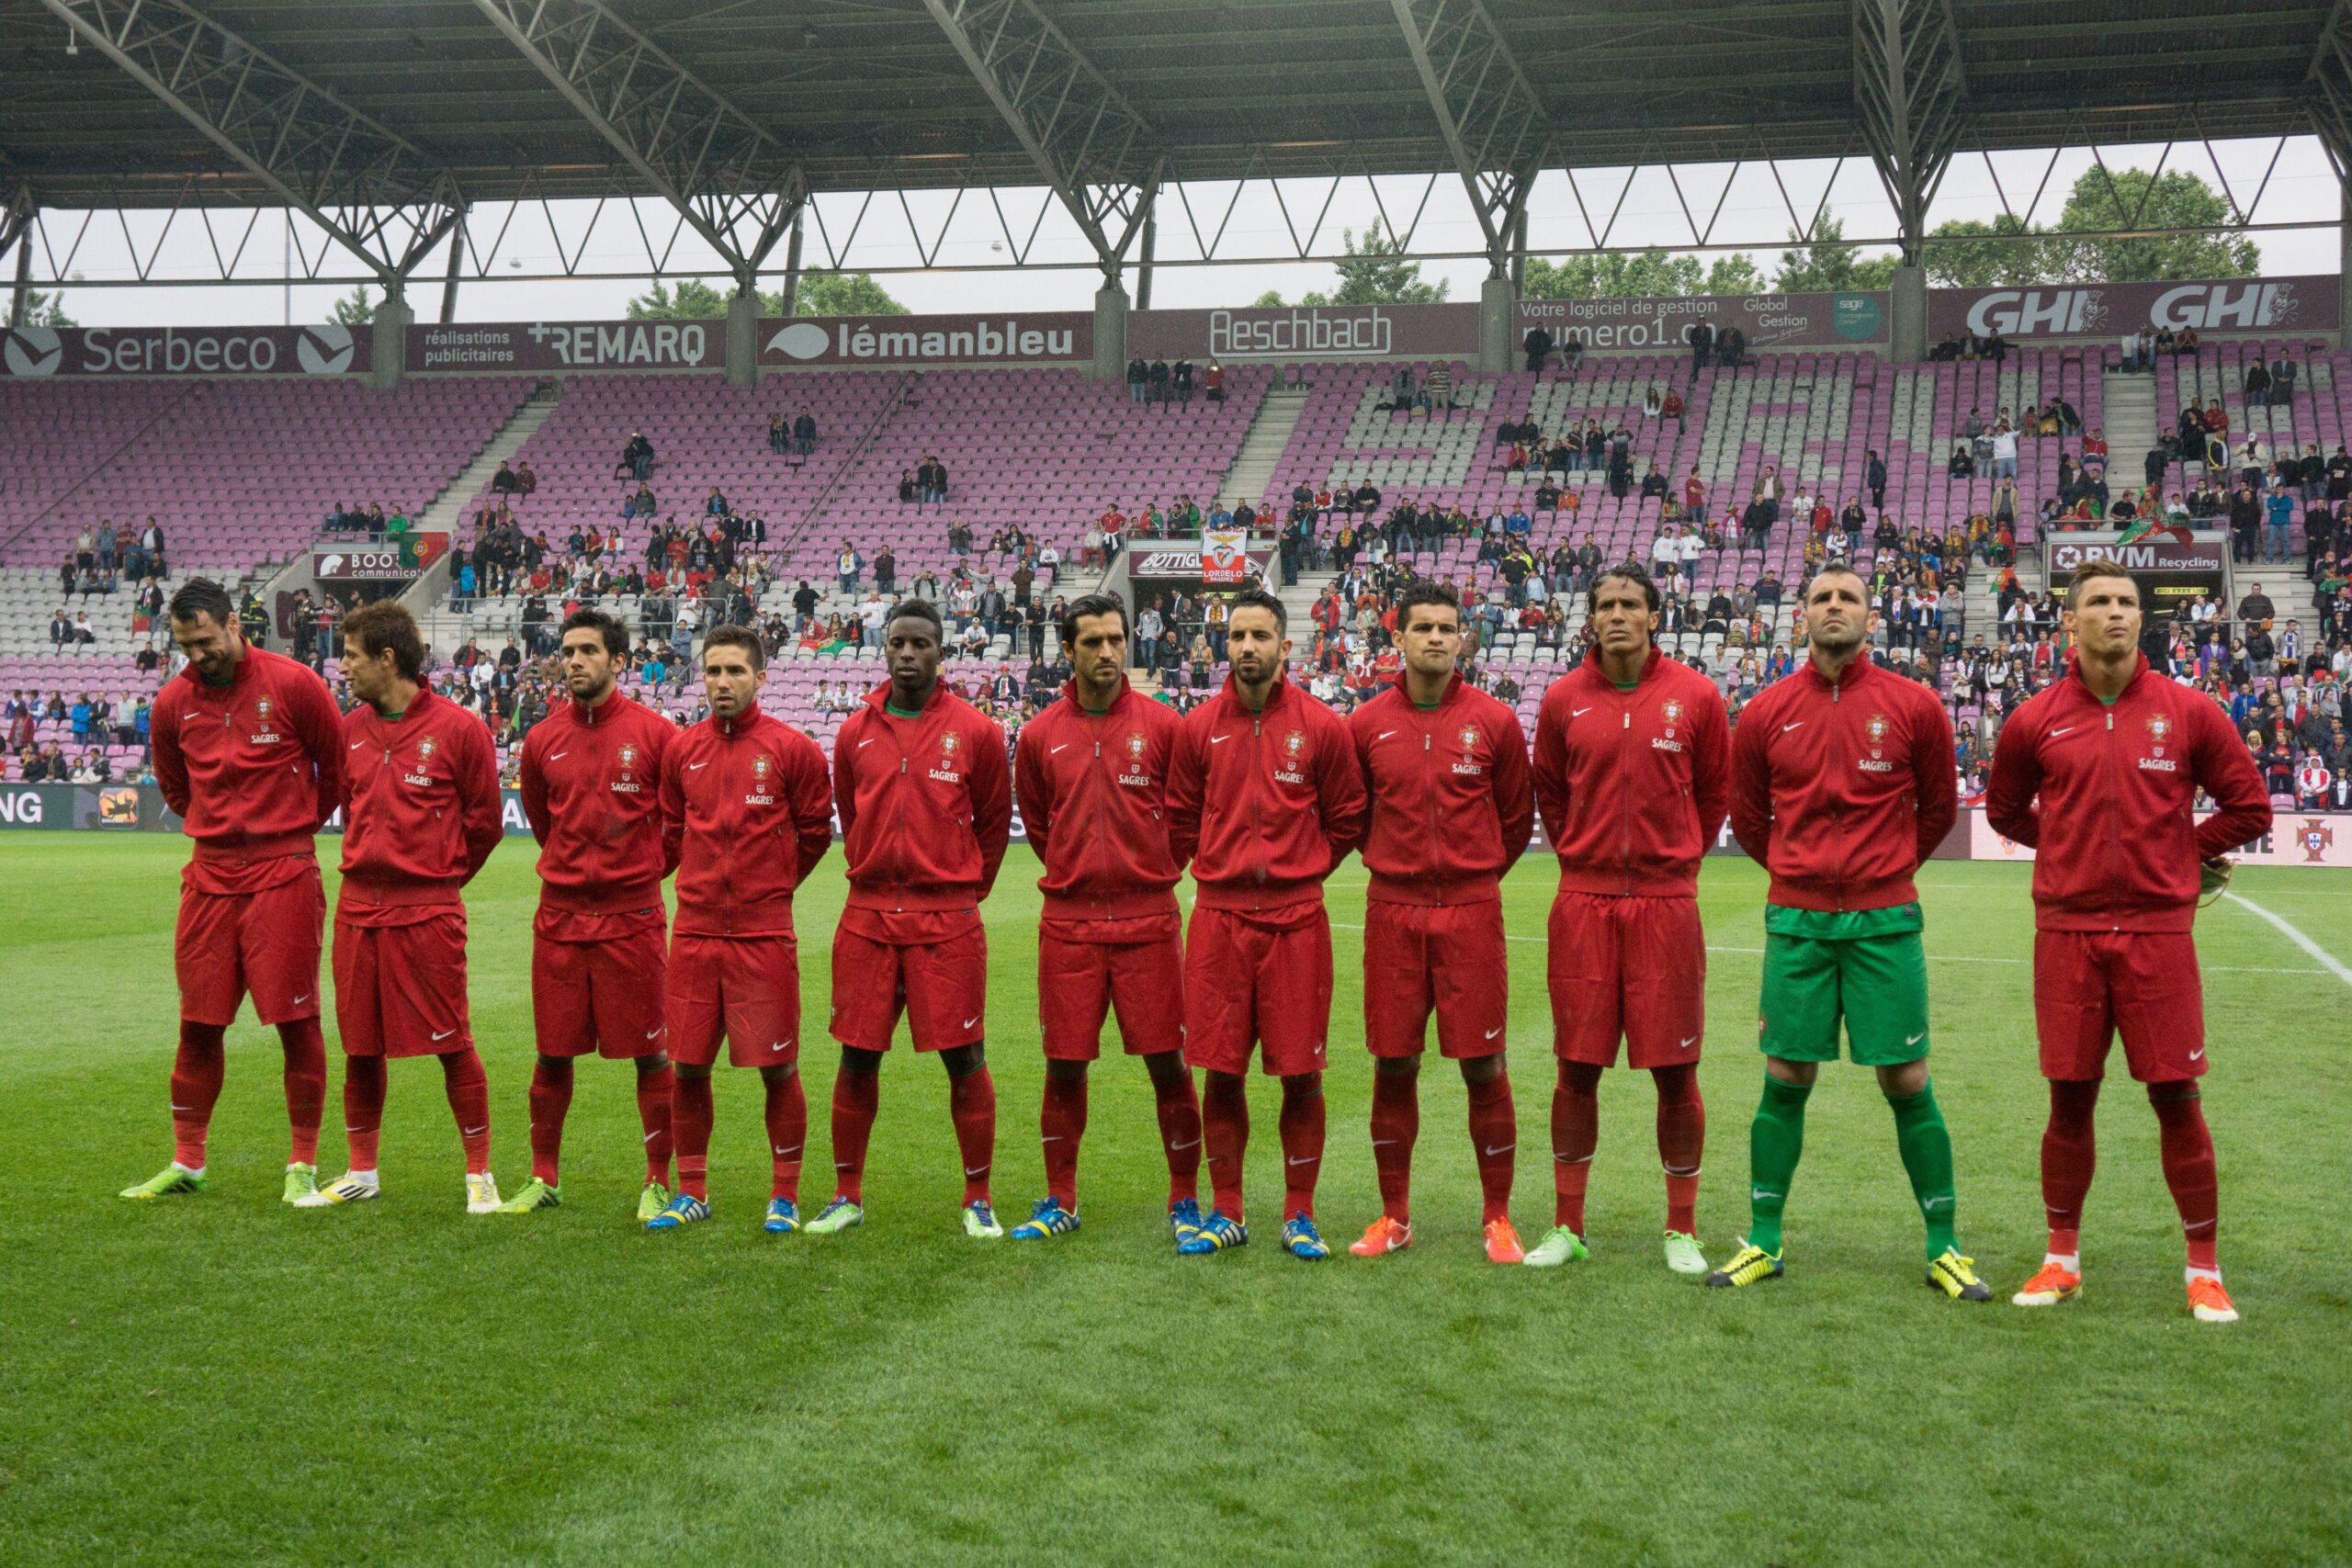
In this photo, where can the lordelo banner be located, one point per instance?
(1657, 324)
(2263, 306)
(569, 345)
(1049, 337)
(1306, 332)
(29, 352)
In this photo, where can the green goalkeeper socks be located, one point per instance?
(1920, 1133)
(1775, 1140)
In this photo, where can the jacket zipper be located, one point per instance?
(1837, 811)
(2114, 818)
(1626, 796)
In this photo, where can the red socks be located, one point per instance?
(653, 1110)
(1575, 1130)
(551, 1099)
(1225, 1128)
(1302, 1135)
(468, 1089)
(1061, 1123)
(2069, 1155)
(1180, 1133)
(971, 1100)
(362, 1107)
(2187, 1148)
(196, 1084)
(856, 1096)
(690, 1117)
(1494, 1134)
(1395, 1123)
(1681, 1134)
(788, 1119)
(306, 1086)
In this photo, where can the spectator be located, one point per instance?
(1138, 378)
(848, 566)
(931, 481)
(804, 432)
(637, 458)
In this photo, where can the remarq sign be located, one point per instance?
(330, 349)
(2304, 304)
(569, 345)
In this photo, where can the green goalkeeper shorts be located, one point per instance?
(1864, 969)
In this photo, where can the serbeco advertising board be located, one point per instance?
(30, 352)
(2306, 304)
(1658, 323)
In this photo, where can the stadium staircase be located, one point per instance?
(1261, 449)
(2130, 407)
(428, 598)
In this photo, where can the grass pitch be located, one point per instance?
(221, 1378)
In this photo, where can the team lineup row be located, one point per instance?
(1838, 780)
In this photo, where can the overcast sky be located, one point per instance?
(1753, 207)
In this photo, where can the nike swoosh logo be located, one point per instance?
(1492, 1033)
(1384, 735)
(976, 1170)
(782, 1153)
(781, 1045)
(469, 1131)
(1685, 1045)
(1382, 1143)
(648, 1137)
(559, 757)
(1058, 750)
(444, 1035)
(1579, 713)
(1915, 1039)
(2197, 1054)
(2060, 729)
(696, 767)
(1310, 1159)
(1219, 740)
(972, 1019)
(1051, 1138)
(1786, 727)
(1935, 1201)
(1756, 1193)
(1504, 1150)
(863, 744)
(1194, 1145)
(652, 1033)
(301, 999)
(356, 745)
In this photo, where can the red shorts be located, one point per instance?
(2089, 985)
(746, 987)
(602, 998)
(940, 983)
(400, 990)
(1421, 957)
(1087, 968)
(1634, 967)
(266, 942)
(1250, 983)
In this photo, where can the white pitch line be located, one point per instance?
(2333, 964)
(2337, 969)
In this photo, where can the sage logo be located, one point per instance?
(34, 350)
(324, 350)
(1856, 316)
(801, 339)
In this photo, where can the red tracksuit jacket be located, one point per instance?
(747, 812)
(1841, 790)
(926, 804)
(1094, 794)
(2116, 843)
(1451, 810)
(1263, 804)
(592, 783)
(420, 808)
(1634, 786)
(253, 768)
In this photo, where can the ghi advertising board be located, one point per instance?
(2112, 310)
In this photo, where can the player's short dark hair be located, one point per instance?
(2096, 566)
(202, 596)
(609, 627)
(731, 635)
(918, 610)
(384, 626)
(1631, 571)
(1093, 605)
(1422, 590)
(1258, 599)
(1835, 569)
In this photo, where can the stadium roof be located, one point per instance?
(867, 94)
